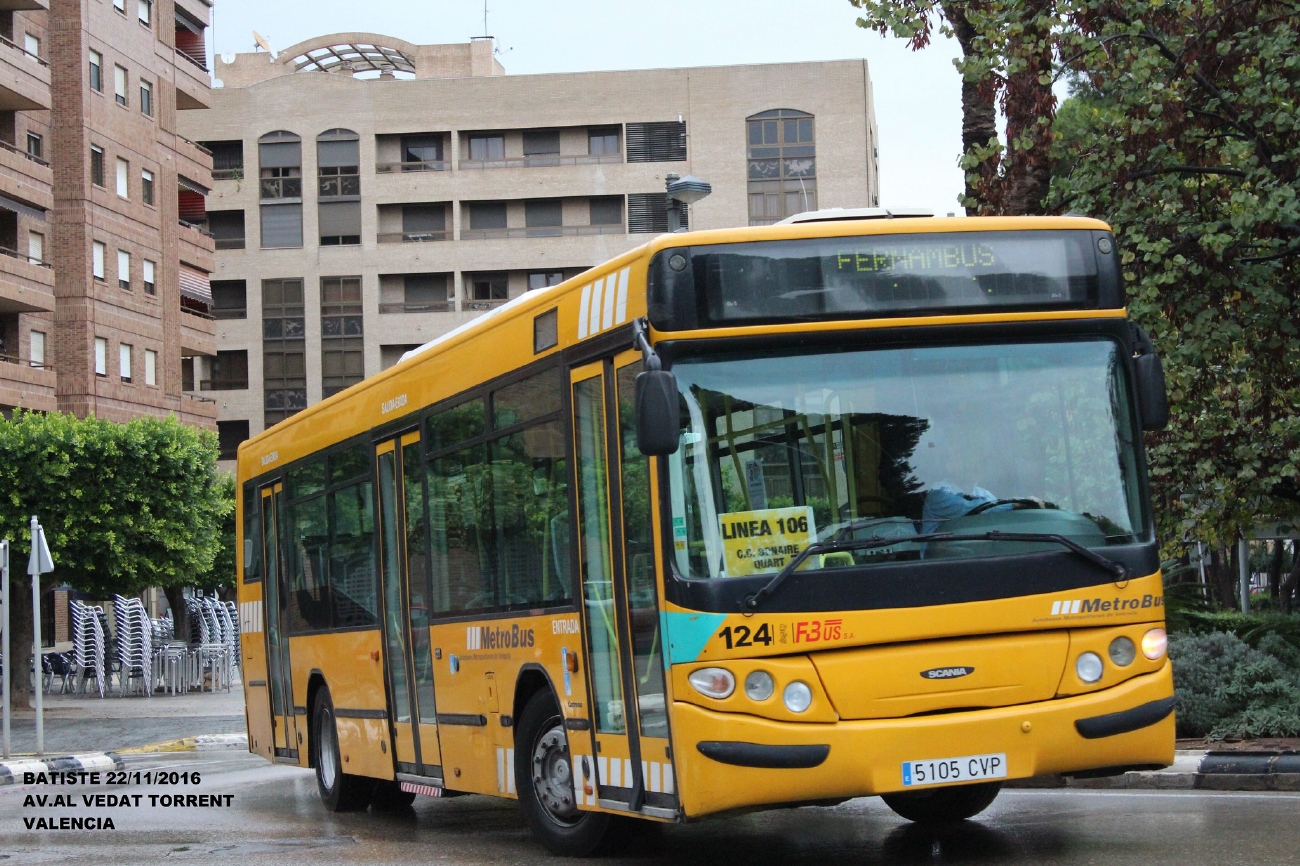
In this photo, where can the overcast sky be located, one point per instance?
(918, 95)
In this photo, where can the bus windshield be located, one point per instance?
(779, 451)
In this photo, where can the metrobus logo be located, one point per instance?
(1105, 605)
(479, 637)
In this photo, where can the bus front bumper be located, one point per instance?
(728, 761)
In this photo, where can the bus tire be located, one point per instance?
(388, 796)
(943, 805)
(544, 779)
(339, 791)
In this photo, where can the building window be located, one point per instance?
(424, 293)
(603, 141)
(341, 332)
(150, 284)
(119, 84)
(146, 98)
(483, 147)
(36, 248)
(123, 178)
(229, 299)
(150, 367)
(487, 217)
(487, 287)
(421, 152)
(227, 227)
(120, 6)
(542, 147)
(144, 9)
(96, 71)
(146, 186)
(337, 160)
(544, 279)
(280, 157)
(35, 145)
(97, 165)
(97, 250)
(281, 226)
(340, 223)
(424, 222)
(229, 371)
(101, 356)
(284, 367)
(230, 434)
(32, 44)
(782, 165)
(227, 159)
(37, 350)
(124, 270)
(544, 217)
(648, 212)
(607, 210)
(656, 142)
(124, 361)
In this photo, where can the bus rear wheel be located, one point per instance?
(339, 791)
(544, 777)
(943, 805)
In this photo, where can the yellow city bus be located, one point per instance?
(740, 519)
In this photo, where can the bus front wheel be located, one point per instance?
(544, 778)
(943, 805)
(339, 791)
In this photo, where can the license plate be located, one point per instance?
(945, 771)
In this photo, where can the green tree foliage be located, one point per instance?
(1225, 688)
(124, 506)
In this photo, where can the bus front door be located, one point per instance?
(404, 563)
(620, 611)
(284, 725)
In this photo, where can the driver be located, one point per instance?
(944, 501)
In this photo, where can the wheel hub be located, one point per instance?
(552, 776)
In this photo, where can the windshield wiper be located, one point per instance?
(842, 542)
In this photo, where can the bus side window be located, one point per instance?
(252, 534)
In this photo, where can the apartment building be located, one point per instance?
(370, 194)
(104, 272)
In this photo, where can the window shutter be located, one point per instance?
(281, 226)
(424, 218)
(648, 212)
(340, 218)
(331, 154)
(283, 154)
(656, 142)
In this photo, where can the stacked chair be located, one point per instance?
(88, 647)
(213, 647)
(134, 645)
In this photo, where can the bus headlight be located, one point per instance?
(1154, 643)
(1089, 667)
(1122, 651)
(797, 697)
(759, 685)
(717, 683)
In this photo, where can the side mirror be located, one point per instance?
(1153, 399)
(658, 413)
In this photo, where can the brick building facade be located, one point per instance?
(120, 253)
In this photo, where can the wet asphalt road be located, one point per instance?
(275, 817)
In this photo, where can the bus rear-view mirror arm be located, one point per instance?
(658, 410)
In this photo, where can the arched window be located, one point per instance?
(782, 165)
(338, 160)
(279, 157)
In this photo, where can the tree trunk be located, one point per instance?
(1275, 573)
(176, 601)
(20, 641)
(1220, 573)
(1286, 591)
(978, 113)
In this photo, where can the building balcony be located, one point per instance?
(447, 306)
(24, 79)
(545, 160)
(193, 83)
(24, 5)
(198, 333)
(25, 177)
(198, 411)
(26, 286)
(27, 387)
(197, 247)
(398, 167)
(540, 232)
(412, 237)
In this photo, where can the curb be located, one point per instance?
(11, 772)
(1194, 770)
(209, 743)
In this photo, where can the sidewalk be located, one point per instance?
(80, 724)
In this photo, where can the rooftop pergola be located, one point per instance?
(359, 57)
